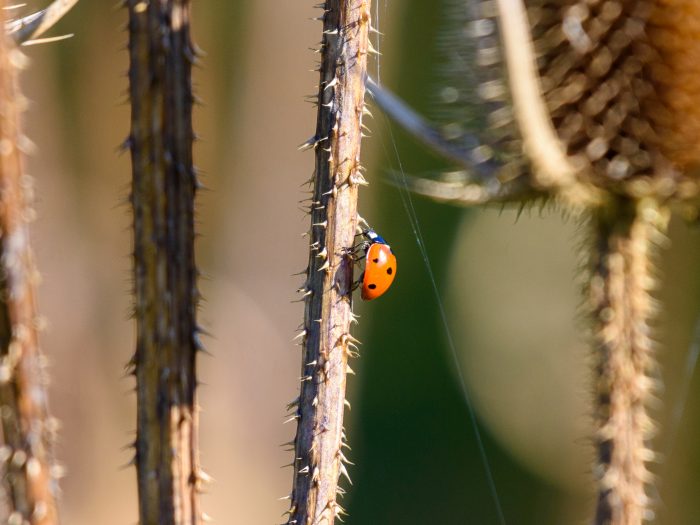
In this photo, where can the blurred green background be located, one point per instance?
(510, 290)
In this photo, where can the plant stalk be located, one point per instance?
(28, 476)
(622, 311)
(319, 459)
(163, 192)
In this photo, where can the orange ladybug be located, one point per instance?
(380, 267)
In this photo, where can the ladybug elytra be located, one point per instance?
(380, 267)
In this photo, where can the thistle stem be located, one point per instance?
(319, 458)
(163, 193)
(27, 474)
(622, 310)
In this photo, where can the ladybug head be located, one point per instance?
(374, 237)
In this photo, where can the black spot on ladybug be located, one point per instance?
(372, 286)
(375, 261)
(389, 271)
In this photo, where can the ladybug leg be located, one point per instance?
(357, 283)
(352, 253)
(358, 250)
(362, 247)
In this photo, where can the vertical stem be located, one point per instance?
(623, 308)
(26, 425)
(319, 459)
(163, 192)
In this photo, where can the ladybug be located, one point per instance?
(380, 266)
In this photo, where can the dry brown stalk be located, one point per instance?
(318, 447)
(619, 294)
(597, 112)
(163, 192)
(28, 475)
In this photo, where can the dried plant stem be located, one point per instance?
(27, 474)
(163, 192)
(619, 293)
(319, 458)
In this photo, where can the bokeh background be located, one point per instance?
(509, 287)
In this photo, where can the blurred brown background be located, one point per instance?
(509, 287)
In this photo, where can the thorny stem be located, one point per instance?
(164, 184)
(319, 458)
(27, 474)
(33, 26)
(622, 310)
